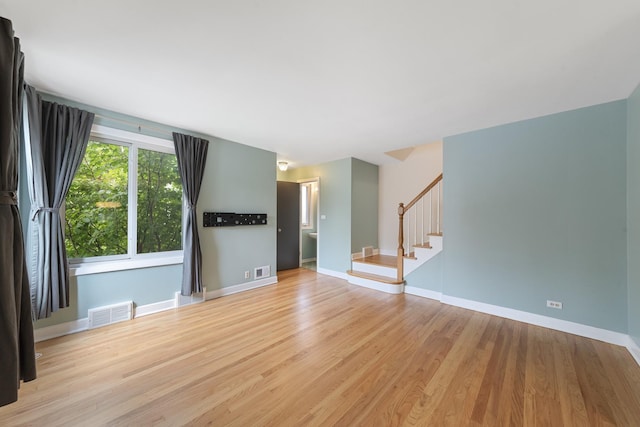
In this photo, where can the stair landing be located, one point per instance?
(377, 272)
(384, 260)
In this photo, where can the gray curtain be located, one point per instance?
(55, 142)
(192, 157)
(17, 353)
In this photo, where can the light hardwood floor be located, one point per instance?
(313, 350)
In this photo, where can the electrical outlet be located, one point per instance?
(247, 275)
(554, 304)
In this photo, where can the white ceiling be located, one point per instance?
(318, 81)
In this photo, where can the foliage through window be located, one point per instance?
(121, 194)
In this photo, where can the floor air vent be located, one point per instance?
(261, 272)
(102, 316)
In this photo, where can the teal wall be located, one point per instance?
(364, 205)
(309, 245)
(237, 178)
(142, 286)
(339, 233)
(334, 231)
(633, 213)
(536, 210)
(428, 276)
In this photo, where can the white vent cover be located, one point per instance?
(102, 316)
(367, 251)
(261, 272)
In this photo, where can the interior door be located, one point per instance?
(288, 212)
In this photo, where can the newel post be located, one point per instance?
(400, 268)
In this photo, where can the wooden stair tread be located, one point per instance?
(435, 234)
(376, 277)
(383, 260)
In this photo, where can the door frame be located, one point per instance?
(315, 179)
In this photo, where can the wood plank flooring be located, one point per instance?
(314, 350)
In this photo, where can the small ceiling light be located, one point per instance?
(283, 166)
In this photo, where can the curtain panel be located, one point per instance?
(191, 153)
(17, 352)
(56, 138)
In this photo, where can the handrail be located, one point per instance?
(423, 192)
(402, 209)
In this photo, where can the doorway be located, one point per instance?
(309, 224)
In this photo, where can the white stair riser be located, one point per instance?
(380, 270)
(378, 286)
(423, 254)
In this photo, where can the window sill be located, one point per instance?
(120, 265)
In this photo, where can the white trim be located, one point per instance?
(139, 139)
(308, 260)
(339, 275)
(374, 251)
(378, 286)
(55, 331)
(424, 293)
(539, 320)
(156, 307)
(229, 290)
(122, 264)
(74, 326)
(634, 349)
(195, 298)
(380, 270)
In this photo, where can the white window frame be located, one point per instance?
(131, 260)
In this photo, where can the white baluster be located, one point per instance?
(438, 212)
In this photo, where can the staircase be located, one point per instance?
(419, 229)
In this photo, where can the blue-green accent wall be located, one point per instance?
(633, 214)
(334, 231)
(237, 178)
(536, 210)
(241, 179)
(337, 203)
(428, 276)
(142, 286)
(364, 205)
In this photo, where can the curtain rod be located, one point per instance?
(139, 126)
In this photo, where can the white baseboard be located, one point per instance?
(425, 293)
(338, 274)
(156, 307)
(302, 261)
(390, 252)
(634, 349)
(217, 293)
(74, 326)
(55, 331)
(599, 334)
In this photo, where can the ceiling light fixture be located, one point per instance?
(283, 166)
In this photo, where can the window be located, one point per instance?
(125, 201)
(306, 205)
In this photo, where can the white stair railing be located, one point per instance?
(414, 219)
